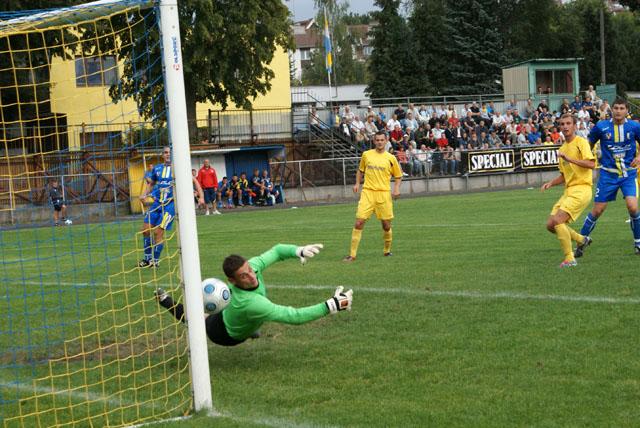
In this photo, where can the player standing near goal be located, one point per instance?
(249, 307)
(159, 217)
(618, 143)
(378, 166)
(576, 164)
(57, 200)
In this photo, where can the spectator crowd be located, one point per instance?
(429, 140)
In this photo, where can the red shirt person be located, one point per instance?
(209, 182)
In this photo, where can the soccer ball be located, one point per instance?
(68, 222)
(215, 294)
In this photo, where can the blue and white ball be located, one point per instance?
(215, 294)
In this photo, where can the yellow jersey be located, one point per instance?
(378, 169)
(575, 175)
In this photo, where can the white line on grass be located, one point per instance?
(469, 294)
(472, 294)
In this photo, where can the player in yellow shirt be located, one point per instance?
(378, 166)
(576, 164)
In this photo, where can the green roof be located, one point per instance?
(543, 60)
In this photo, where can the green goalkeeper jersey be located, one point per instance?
(249, 309)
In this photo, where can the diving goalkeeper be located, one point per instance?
(249, 307)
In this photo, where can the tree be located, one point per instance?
(475, 47)
(427, 26)
(391, 65)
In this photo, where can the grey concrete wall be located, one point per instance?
(426, 187)
(26, 214)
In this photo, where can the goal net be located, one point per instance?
(84, 112)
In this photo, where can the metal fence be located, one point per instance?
(249, 126)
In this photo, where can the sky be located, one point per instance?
(305, 9)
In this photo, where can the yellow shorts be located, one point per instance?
(573, 201)
(375, 201)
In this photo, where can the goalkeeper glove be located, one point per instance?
(340, 301)
(308, 251)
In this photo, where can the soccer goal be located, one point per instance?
(89, 97)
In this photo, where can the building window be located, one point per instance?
(305, 54)
(96, 71)
(563, 81)
(367, 50)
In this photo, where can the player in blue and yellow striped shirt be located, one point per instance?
(619, 161)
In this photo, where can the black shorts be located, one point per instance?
(57, 205)
(217, 332)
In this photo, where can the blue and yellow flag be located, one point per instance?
(327, 43)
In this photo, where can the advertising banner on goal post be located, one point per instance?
(517, 159)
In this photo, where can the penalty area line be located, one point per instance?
(508, 295)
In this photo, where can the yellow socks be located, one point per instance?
(356, 234)
(388, 237)
(575, 236)
(564, 236)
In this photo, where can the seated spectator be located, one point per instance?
(382, 115)
(528, 109)
(369, 113)
(451, 166)
(269, 189)
(453, 120)
(400, 114)
(348, 114)
(437, 131)
(236, 191)
(414, 112)
(410, 122)
(483, 140)
(516, 116)
(437, 159)
(583, 114)
(356, 126)
(360, 140)
(246, 195)
(415, 167)
(450, 111)
(474, 142)
(421, 134)
(548, 141)
(401, 155)
(225, 194)
(380, 125)
(410, 133)
(423, 155)
(463, 141)
(423, 114)
(334, 117)
(542, 105)
(345, 129)
(495, 141)
(257, 188)
(497, 120)
(391, 123)
(475, 111)
(522, 137)
(370, 128)
(583, 130)
(589, 107)
(441, 112)
(532, 137)
(604, 112)
(406, 142)
(480, 128)
(511, 132)
(396, 136)
(556, 137)
(513, 105)
(565, 107)
(576, 105)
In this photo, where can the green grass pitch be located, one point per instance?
(470, 323)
